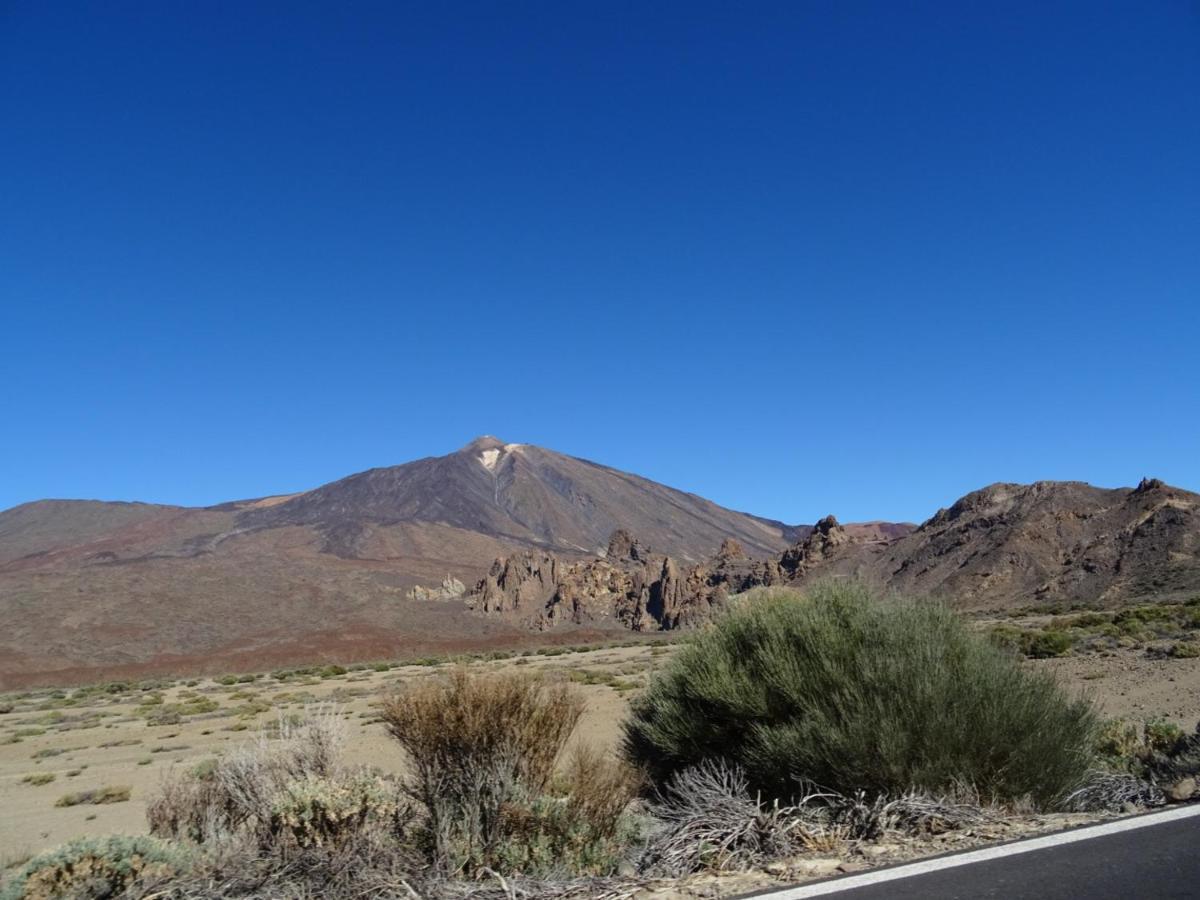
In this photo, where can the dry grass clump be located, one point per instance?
(712, 820)
(96, 796)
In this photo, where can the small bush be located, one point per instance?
(860, 695)
(318, 811)
(94, 868)
(96, 796)
(1048, 643)
(238, 791)
(1163, 736)
(38, 778)
(1118, 741)
(1184, 650)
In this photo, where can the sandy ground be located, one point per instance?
(106, 740)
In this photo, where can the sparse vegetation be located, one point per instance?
(854, 694)
(282, 810)
(38, 778)
(1135, 626)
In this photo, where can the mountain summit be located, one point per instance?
(522, 494)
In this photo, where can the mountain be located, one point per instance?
(91, 589)
(518, 493)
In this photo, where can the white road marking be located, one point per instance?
(824, 888)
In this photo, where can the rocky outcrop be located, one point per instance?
(629, 586)
(827, 541)
(450, 589)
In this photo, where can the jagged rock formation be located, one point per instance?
(629, 586)
(827, 541)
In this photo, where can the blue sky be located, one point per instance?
(800, 258)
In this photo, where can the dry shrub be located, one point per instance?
(96, 796)
(238, 793)
(368, 864)
(1112, 792)
(860, 817)
(480, 748)
(712, 821)
(600, 788)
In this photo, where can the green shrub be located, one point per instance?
(1163, 736)
(93, 868)
(857, 694)
(1118, 741)
(1048, 643)
(1010, 637)
(1184, 650)
(38, 778)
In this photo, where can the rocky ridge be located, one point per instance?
(1047, 543)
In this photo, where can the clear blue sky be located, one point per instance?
(800, 258)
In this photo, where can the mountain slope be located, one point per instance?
(1052, 541)
(89, 588)
(519, 493)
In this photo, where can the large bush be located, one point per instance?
(854, 693)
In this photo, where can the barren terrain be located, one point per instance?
(128, 735)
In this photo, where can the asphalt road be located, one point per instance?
(1156, 856)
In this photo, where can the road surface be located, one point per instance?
(1156, 855)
